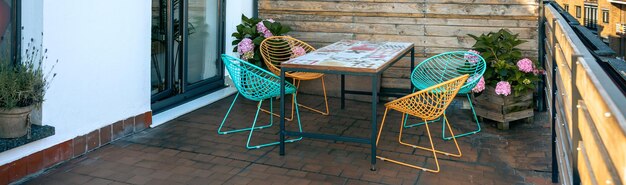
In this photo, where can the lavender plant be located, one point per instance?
(25, 83)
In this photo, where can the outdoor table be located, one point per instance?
(346, 57)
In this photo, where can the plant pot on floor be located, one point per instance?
(14, 122)
(504, 109)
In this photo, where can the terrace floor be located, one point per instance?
(189, 151)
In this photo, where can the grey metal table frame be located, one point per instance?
(375, 77)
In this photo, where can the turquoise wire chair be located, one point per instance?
(255, 84)
(446, 66)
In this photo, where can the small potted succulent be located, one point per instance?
(507, 87)
(22, 88)
(251, 32)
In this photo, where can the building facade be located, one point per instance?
(109, 52)
(607, 18)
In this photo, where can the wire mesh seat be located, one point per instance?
(446, 66)
(278, 49)
(427, 104)
(255, 84)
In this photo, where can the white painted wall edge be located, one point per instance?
(185, 108)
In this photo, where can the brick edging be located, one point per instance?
(57, 154)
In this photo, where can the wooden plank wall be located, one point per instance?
(434, 26)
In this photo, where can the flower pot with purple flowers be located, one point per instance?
(510, 79)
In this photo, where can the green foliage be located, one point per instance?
(248, 29)
(500, 50)
(25, 83)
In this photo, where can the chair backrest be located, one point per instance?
(449, 65)
(278, 49)
(251, 81)
(429, 103)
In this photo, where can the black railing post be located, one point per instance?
(255, 8)
(541, 96)
(555, 167)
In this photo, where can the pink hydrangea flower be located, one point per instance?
(245, 46)
(260, 27)
(503, 88)
(525, 65)
(297, 51)
(472, 58)
(480, 86)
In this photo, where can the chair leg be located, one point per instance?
(219, 130)
(381, 126)
(399, 139)
(325, 99)
(438, 151)
(292, 109)
(271, 121)
(467, 133)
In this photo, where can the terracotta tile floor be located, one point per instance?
(189, 151)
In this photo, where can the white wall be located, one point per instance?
(32, 20)
(103, 47)
(234, 9)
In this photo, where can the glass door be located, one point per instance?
(187, 39)
(203, 39)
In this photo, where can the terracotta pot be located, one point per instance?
(14, 122)
(5, 16)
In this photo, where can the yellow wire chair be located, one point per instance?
(278, 49)
(428, 104)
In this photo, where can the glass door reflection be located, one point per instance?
(202, 60)
(186, 43)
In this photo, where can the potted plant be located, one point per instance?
(22, 87)
(251, 32)
(509, 80)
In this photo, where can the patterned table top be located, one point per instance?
(351, 55)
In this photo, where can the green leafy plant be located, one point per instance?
(251, 32)
(506, 69)
(24, 84)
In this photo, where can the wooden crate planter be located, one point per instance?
(504, 109)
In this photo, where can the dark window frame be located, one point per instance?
(578, 11)
(591, 16)
(16, 31)
(162, 101)
(605, 16)
(566, 6)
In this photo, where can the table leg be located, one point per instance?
(412, 65)
(282, 112)
(343, 91)
(374, 120)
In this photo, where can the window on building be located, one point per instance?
(591, 16)
(578, 13)
(605, 16)
(7, 29)
(566, 6)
